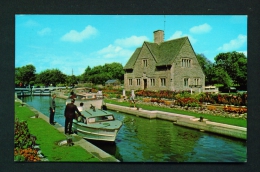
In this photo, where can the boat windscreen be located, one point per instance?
(101, 118)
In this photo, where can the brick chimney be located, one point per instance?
(158, 36)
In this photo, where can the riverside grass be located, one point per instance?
(231, 121)
(48, 138)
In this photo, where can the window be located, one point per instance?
(185, 62)
(196, 81)
(138, 81)
(152, 82)
(145, 63)
(186, 82)
(130, 82)
(163, 82)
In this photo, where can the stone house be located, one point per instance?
(164, 65)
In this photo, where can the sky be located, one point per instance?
(71, 43)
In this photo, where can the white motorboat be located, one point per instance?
(96, 124)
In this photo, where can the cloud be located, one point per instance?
(132, 41)
(113, 51)
(31, 23)
(74, 36)
(178, 34)
(234, 44)
(44, 31)
(204, 28)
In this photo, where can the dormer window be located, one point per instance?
(145, 62)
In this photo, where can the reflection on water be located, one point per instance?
(144, 140)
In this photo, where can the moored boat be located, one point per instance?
(97, 124)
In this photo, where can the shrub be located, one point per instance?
(23, 143)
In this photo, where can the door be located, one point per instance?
(145, 84)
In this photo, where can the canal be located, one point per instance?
(145, 140)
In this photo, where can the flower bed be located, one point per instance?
(232, 109)
(24, 143)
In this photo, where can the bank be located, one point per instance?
(186, 121)
(53, 147)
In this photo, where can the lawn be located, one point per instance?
(48, 138)
(231, 121)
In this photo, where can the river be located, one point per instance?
(145, 140)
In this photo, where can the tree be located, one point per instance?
(207, 67)
(71, 80)
(25, 74)
(233, 67)
(86, 74)
(100, 74)
(51, 76)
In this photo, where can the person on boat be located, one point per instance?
(72, 95)
(80, 117)
(52, 109)
(69, 114)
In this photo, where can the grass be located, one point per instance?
(48, 138)
(231, 121)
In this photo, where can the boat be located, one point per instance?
(97, 124)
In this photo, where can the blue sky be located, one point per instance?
(74, 42)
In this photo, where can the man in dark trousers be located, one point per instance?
(69, 114)
(52, 109)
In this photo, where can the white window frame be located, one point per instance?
(186, 82)
(196, 81)
(185, 62)
(130, 81)
(152, 81)
(138, 81)
(145, 62)
(163, 82)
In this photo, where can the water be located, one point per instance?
(144, 140)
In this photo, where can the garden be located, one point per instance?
(221, 104)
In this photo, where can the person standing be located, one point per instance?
(69, 114)
(52, 109)
(132, 100)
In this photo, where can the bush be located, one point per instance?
(23, 143)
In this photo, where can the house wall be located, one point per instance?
(174, 76)
(192, 72)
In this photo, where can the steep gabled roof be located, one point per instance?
(131, 62)
(169, 51)
(164, 53)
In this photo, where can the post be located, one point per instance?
(124, 93)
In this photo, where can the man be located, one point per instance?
(52, 109)
(69, 114)
(132, 100)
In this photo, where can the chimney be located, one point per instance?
(158, 36)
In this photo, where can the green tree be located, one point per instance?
(51, 76)
(207, 67)
(25, 74)
(232, 68)
(86, 74)
(71, 80)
